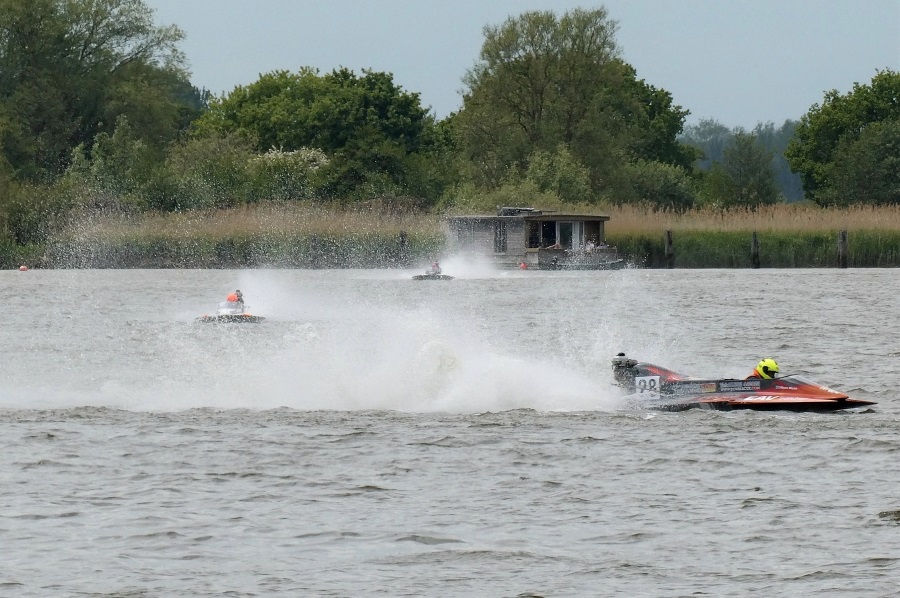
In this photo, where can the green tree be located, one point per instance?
(279, 175)
(377, 136)
(839, 119)
(561, 174)
(867, 169)
(544, 80)
(749, 167)
(661, 124)
(534, 86)
(662, 186)
(119, 165)
(710, 137)
(69, 68)
(775, 140)
(715, 188)
(214, 171)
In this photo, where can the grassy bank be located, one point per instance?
(731, 249)
(265, 235)
(789, 236)
(381, 235)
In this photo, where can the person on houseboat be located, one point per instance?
(767, 369)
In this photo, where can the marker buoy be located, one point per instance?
(23, 268)
(523, 266)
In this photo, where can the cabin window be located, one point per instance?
(534, 234)
(592, 232)
(548, 233)
(500, 237)
(565, 234)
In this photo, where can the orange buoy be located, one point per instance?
(23, 268)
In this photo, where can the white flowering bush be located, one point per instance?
(286, 175)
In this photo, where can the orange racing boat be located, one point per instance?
(666, 390)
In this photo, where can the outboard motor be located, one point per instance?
(623, 370)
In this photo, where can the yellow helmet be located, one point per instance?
(767, 368)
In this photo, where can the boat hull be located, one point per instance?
(231, 319)
(432, 277)
(662, 389)
(796, 404)
(613, 265)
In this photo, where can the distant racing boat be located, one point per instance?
(229, 312)
(432, 277)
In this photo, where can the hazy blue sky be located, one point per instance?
(739, 61)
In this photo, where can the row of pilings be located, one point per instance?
(842, 250)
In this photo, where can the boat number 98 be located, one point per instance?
(647, 386)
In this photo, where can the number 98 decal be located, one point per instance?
(647, 386)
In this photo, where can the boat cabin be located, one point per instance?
(538, 238)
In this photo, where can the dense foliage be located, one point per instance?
(69, 71)
(556, 86)
(69, 68)
(375, 134)
(98, 114)
(712, 139)
(859, 126)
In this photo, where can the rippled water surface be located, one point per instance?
(382, 436)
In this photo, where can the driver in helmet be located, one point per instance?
(766, 369)
(434, 269)
(235, 297)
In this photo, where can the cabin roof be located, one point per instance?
(532, 216)
(554, 217)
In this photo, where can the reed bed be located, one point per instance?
(307, 219)
(262, 235)
(789, 236)
(786, 218)
(387, 235)
(270, 219)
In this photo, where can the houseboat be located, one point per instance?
(538, 239)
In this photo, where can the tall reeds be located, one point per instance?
(793, 218)
(266, 234)
(381, 234)
(790, 236)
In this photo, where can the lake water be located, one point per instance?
(383, 436)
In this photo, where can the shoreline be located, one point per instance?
(690, 250)
(323, 237)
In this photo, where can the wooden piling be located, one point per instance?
(754, 251)
(843, 253)
(402, 249)
(313, 252)
(670, 250)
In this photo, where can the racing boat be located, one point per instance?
(430, 276)
(666, 390)
(231, 312)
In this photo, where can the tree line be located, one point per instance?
(98, 113)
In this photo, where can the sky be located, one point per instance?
(740, 62)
